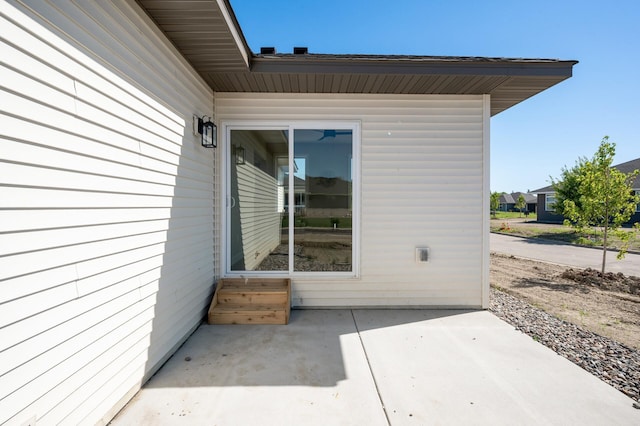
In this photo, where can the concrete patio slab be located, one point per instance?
(304, 373)
(447, 367)
(373, 367)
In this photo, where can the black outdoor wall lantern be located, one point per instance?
(209, 133)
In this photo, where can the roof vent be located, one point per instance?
(267, 50)
(300, 50)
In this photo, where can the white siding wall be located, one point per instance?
(424, 176)
(107, 232)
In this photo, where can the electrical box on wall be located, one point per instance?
(422, 254)
(195, 125)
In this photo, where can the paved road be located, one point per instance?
(564, 254)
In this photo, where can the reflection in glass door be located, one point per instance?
(258, 185)
(290, 199)
(323, 228)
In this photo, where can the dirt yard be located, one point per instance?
(609, 307)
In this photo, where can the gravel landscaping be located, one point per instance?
(607, 359)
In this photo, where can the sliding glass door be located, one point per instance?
(323, 232)
(290, 199)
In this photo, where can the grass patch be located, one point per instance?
(565, 234)
(512, 215)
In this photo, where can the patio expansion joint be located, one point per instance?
(373, 376)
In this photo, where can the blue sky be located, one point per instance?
(534, 139)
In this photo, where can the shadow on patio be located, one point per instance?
(306, 352)
(310, 351)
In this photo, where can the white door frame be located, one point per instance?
(225, 147)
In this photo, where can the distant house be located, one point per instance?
(547, 197)
(508, 202)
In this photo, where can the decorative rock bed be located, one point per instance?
(610, 361)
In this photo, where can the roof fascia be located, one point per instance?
(399, 65)
(236, 31)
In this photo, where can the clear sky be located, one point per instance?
(530, 141)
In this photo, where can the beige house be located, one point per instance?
(117, 223)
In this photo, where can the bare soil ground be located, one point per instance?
(608, 306)
(314, 250)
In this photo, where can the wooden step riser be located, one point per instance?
(251, 299)
(251, 283)
(248, 317)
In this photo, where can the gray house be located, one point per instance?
(508, 202)
(117, 222)
(546, 196)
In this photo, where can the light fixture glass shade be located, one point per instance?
(208, 131)
(240, 155)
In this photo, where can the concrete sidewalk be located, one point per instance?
(564, 254)
(374, 367)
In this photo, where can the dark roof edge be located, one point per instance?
(400, 64)
(544, 190)
(374, 56)
(236, 28)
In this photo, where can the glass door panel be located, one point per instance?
(323, 196)
(258, 188)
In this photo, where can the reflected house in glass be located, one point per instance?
(117, 222)
(299, 197)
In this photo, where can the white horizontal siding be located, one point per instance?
(107, 232)
(423, 163)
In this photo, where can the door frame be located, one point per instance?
(225, 192)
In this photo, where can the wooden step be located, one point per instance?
(249, 298)
(251, 301)
(239, 314)
(266, 283)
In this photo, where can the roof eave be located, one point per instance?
(236, 31)
(226, 63)
(415, 65)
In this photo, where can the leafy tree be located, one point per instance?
(567, 187)
(521, 203)
(494, 202)
(606, 197)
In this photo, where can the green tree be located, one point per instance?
(521, 203)
(606, 197)
(567, 187)
(494, 202)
